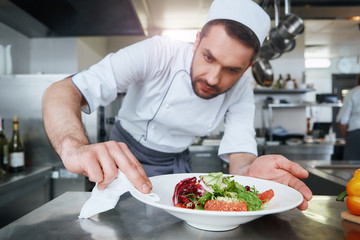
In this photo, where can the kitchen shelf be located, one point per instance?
(283, 91)
(304, 104)
(271, 106)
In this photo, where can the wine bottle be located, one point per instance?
(16, 149)
(279, 83)
(3, 150)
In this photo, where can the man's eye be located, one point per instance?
(233, 70)
(208, 58)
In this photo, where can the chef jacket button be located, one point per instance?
(210, 125)
(153, 127)
(167, 106)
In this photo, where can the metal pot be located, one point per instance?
(290, 26)
(263, 73)
(290, 45)
(267, 51)
(279, 43)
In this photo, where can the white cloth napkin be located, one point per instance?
(104, 200)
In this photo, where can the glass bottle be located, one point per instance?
(16, 149)
(288, 77)
(279, 82)
(289, 82)
(3, 150)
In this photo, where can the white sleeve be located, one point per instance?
(97, 85)
(239, 134)
(116, 72)
(343, 116)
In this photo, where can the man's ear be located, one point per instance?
(197, 42)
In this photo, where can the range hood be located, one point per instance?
(63, 18)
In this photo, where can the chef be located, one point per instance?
(349, 122)
(174, 92)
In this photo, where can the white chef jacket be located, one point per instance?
(160, 108)
(349, 114)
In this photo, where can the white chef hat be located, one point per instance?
(246, 12)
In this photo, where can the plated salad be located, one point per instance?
(216, 192)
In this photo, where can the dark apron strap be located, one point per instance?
(153, 162)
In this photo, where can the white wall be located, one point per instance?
(90, 50)
(292, 62)
(116, 43)
(321, 78)
(53, 55)
(45, 55)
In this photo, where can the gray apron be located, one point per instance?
(352, 145)
(153, 162)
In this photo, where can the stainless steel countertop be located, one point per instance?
(308, 151)
(14, 185)
(336, 171)
(11, 178)
(132, 219)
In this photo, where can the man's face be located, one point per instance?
(219, 61)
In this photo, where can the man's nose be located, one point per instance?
(214, 76)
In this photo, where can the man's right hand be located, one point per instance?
(100, 163)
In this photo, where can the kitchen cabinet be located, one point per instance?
(282, 91)
(23, 192)
(62, 181)
(329, 177)
(205, 159)
(302, 151)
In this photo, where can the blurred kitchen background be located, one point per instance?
(50, 40)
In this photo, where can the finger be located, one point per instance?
(110, 170)
(292, 167)
(130, 167)
(303, 206)
(92, 167)
(301, 187)
(131, 156)
(131, 170)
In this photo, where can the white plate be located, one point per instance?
(285, 198)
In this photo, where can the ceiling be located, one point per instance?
(328, 33)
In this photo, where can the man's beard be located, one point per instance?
(215, 90)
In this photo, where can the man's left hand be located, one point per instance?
(279, 169)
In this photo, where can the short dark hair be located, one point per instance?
(236, 30)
